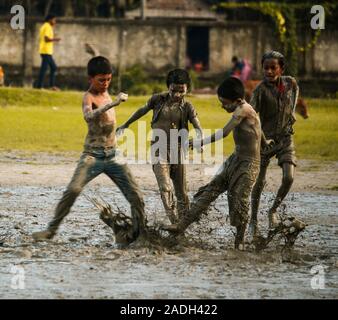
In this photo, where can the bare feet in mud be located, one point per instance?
(253, 231)
(288, 229)
(43, 235)
(239, 238)
(173, 229)
(273, 219)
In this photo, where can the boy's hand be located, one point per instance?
(193, 144)
(121, 97)
(120, 129)
(270, 143)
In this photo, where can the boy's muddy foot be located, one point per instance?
(123, 238)
(289, 229)
(173, 228)
(253, 231)
(273, 220)
(126, 229)
(43, 235)
(172, 218)
(239, 238)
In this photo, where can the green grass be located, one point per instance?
(39, 120)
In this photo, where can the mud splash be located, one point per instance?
(84, 262)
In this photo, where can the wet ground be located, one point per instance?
(83, 261)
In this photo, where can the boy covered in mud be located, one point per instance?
(274, 99)
(170, 113)
(99, 151)
(240, 170)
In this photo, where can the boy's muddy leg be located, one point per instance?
(238, 199)
(202, 200)
(178, 176)
(287, 180)
(255, 199)
(162, 174)
(88, 168)
(121, 175)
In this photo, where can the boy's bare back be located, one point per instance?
(247, 134)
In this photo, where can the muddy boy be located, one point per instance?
(99, 151)
(274, 99)
(170, 113)
(240, 170)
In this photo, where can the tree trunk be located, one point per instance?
(67, 7)
(47, 7)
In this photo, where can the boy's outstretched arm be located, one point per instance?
(197, 126)
(135, 116)
(222, 133)
(90, 114)
(264, 141)
(295, 94)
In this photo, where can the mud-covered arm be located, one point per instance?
(193, 118)
(140, 112)
(235, 120)
(295, 94)
(264, 141)
(197, 126)
(255, 99)
(137, 115)
(90, 114)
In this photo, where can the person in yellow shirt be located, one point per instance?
(46, 43)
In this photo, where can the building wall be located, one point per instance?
(225, 43)
(156, 44)
(325, 53)
(11, 45)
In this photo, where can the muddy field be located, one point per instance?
(83, 262)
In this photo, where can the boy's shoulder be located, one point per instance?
(158, 97)
(260, 85)
(290, 80)
(86, 95)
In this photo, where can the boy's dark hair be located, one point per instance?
(231, 88)
(99, 65)
(274, 55)
(178, 76)
(49, 17)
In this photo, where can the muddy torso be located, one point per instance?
(247, 137)
(275, 106)
(169, 118)
(101, 131)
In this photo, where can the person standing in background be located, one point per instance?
(46, 43)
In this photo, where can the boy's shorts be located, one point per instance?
(284, 150)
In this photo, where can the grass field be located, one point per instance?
(39, 120)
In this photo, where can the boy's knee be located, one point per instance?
(165, 187)
(74, 190)
(287, 180)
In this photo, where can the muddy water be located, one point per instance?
(83, 262)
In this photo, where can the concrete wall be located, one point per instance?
(11, 45)
(156, 44)
(325, 53)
